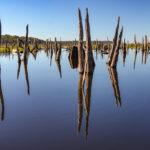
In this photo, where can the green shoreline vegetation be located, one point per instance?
(9, 43)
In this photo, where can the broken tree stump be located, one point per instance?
(111, 53)
(142, 44)
(18, 53)
(55, 46)
(135, 42)
(73, 57)
(80, 45)
(89, 60)
(116, 53)
(145, 43)
(25, 51)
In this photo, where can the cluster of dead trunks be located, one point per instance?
(25, 59)
(86, 67)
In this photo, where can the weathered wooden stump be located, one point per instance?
(80, 45)
(111, 53)
(18, 53)
(135, 42)
(105, 47)
(145, 43)
(89, 60)
(116, 52)
(25, 51)
(73, 57)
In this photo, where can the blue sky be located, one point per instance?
(50, 18)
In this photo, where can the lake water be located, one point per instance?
(43, 109)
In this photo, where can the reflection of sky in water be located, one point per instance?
(48, 117)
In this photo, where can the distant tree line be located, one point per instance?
(13, 39)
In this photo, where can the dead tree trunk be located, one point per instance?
(80, 45)
(18, 53)
(145, 43)
(50, 44)
(111, 53)
(55, 46)
(25, 52)
(57, 51)
(135, 42)
(115, 56)
(96, 44)
(89, 60)
(142, 44)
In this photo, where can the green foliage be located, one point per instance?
(13, 39)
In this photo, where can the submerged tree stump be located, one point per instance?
(145, 42)
(142, 44)
(25, 51)
(18, 53)
(55, 46)
(80, 45)
(116, 53)
(73, 57)
(89, 60)
(135, 42)
(111, 53)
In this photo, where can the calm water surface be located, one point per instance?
(43, 109)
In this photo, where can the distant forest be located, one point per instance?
(12, 39)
